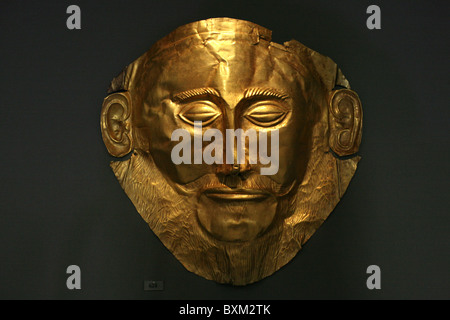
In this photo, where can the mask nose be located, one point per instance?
(232, 175)
(233, 172)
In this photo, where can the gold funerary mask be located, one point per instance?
(240, 147)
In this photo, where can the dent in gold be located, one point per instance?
(225, 221)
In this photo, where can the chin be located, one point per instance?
(236, 216)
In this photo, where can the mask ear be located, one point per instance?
(345, 121)
(115, 123)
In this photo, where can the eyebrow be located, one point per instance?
(248, 93)
(265, 93)
(188, 94)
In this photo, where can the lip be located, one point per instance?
(236, 194)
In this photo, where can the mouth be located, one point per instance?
(236, 194)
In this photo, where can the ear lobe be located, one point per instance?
(115, 123)
(345, 122)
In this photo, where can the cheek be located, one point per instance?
(294, 150)
(160, 123)
(289, 158)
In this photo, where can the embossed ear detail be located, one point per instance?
(115, 124)
(345, 121)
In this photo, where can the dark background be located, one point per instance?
(61, 204)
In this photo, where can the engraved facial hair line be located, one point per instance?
(248, 94)
(197, 92)
(205, 182)
(265, 92)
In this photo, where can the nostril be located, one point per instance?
(232, 175)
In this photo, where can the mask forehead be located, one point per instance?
(228, 60)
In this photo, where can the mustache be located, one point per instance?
(254, 181)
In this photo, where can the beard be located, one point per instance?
(171, 213)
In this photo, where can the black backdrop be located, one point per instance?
(61, 204)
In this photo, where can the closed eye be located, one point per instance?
(203, 111)
(266, 114)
